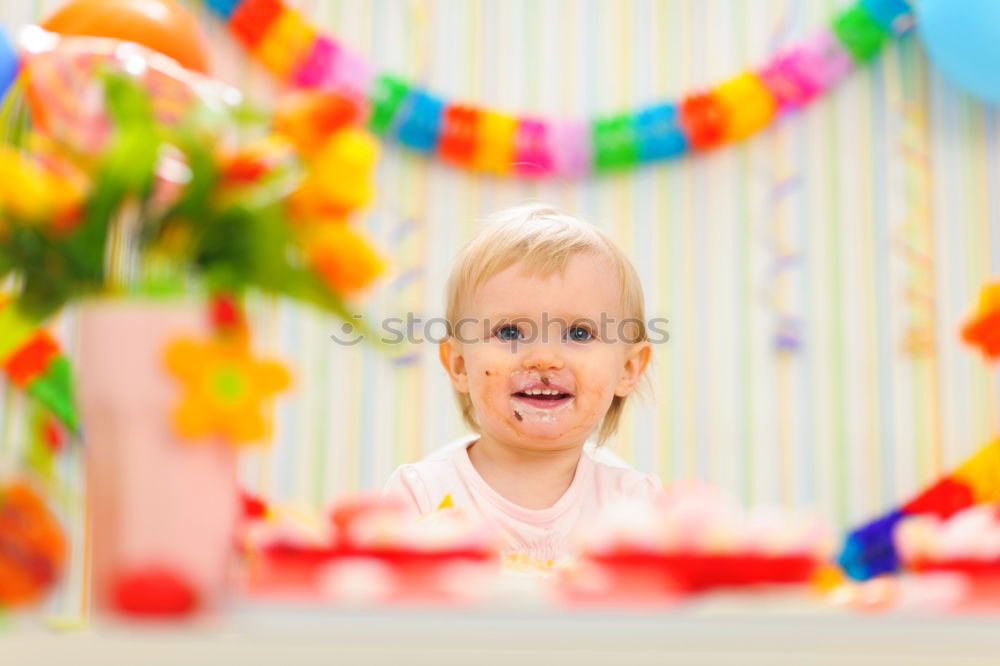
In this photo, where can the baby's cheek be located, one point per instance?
(594, 402)
(489, 388)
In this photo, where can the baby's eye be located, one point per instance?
(507, 333)
(579, 334)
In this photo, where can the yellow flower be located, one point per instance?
(225, 389)
(24, 189)
(32, 191)
(340, 178)
(344, 258)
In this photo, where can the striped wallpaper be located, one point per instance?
(861, 228)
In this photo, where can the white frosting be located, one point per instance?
(970, 534)
(695, 518)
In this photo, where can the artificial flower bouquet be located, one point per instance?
(151, 195)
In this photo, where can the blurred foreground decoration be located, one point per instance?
(871, 549)
(690, 540)
(32, 546)
(367, 549)
(34, 362)
(126, 190)
(162, 25)
(983, 329)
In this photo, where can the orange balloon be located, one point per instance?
(162, 25)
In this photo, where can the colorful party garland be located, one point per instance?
(492, 141)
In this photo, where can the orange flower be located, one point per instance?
(225, 389)
(344, 258)
(983, 330)
(309, 117)
(252, 162)
(32, 546)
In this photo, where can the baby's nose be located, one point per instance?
(540, 357)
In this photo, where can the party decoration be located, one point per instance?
(225, 388)
(703, 120)
(251, 19)
(893, 16)
(457, 142)
(870, 550)
(659, 134)
(419, 127)
(963, 40)
(162, 25)
(787, 335)
(495, 142)
(502, 143)
(747, 103)
(914, 241)
(531, 157)
(32, 546)
(615, 142)
(33, 361)
(285, 43)
(859, 32)
(387, 98)
(154, 592)
(8, 64)
(983, 330)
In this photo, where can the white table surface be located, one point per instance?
(714, 630)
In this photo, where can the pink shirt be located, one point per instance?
(538, 533)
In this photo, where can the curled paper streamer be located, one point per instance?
(787, 336)
(913, 241)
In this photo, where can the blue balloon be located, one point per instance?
(8, 64)
(963, 40)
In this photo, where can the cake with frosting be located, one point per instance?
(692, 538)
(372, 550)
(967, 542)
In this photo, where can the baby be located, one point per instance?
(547, 339)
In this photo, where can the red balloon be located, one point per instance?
(162, 25)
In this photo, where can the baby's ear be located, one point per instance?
(454, 363)
(635, 364)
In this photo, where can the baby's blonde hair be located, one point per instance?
(544, 238)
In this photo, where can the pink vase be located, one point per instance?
(163, 509)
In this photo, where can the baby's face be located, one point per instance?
(533, 355)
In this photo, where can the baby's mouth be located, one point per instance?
(545, 399)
